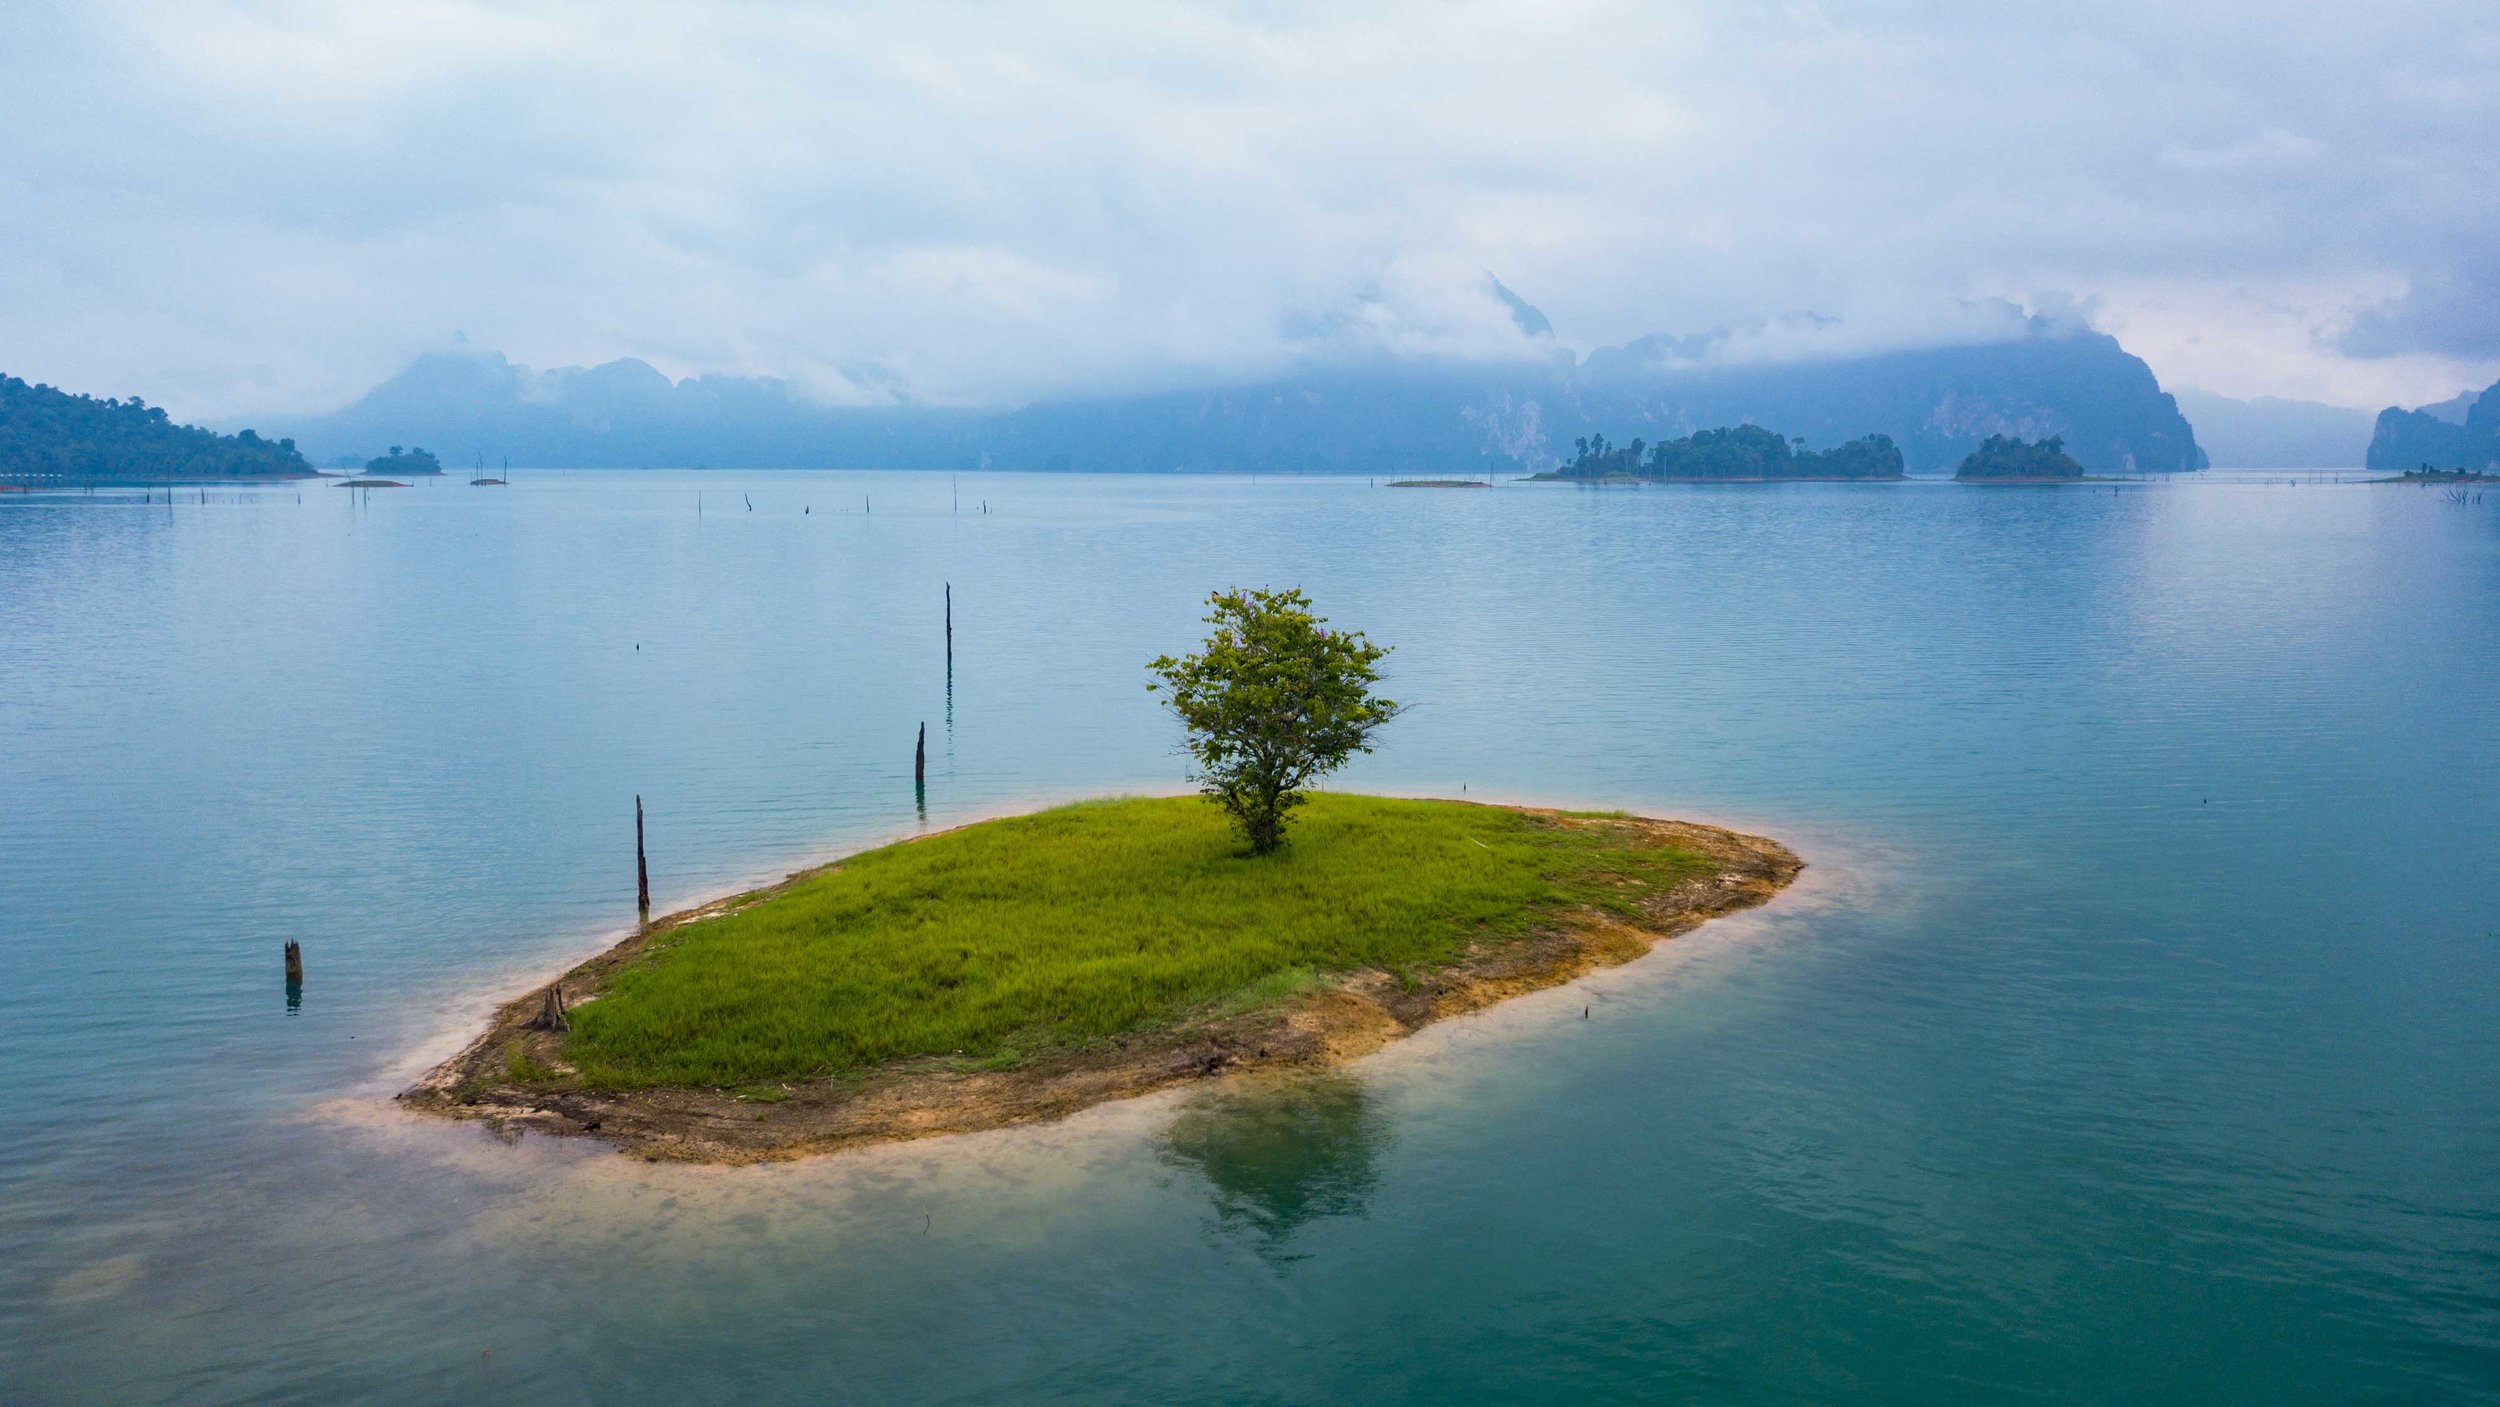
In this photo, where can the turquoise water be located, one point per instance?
(2134, 1035)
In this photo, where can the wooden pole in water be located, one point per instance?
(950, 628)
(294, 963)
(920, 758)
(642, 869)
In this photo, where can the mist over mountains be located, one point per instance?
(2270, 432)
(1392, 415)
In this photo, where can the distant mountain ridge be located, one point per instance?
(2272, 433)
(2409, 439)
(1388, 416)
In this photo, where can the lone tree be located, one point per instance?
(1274, 700)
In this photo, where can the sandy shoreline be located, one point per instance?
(1354, 1015)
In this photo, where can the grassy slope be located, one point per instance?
(1037, 932)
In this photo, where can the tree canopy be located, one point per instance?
(1272, 701)
(2005, 457)
(52, 435)
(405, 461)
(1741, 452)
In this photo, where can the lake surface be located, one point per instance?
(2134, 1034)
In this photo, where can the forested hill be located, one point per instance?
(49, 436)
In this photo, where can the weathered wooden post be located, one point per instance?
(950, 628)
(920, 758)
(642, 868)
(294, 963)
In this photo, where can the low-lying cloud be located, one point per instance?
(239, 208)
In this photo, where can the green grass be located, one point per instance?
(1019, 936)
(521, 1069)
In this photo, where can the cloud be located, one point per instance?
(2272, 149)
(2453, 311)
(233, 207)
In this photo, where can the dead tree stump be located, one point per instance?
(550, 1015)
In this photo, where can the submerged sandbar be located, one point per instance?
(1024, 968)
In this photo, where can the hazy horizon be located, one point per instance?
(241, 210)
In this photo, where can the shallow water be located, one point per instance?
(2135, 1033)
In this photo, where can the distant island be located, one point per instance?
(2462, 433)
(1021, 969)
(2002, 459)
(410, 461)
(1741, 454)
(52, 436)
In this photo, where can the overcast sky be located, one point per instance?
(243, 208)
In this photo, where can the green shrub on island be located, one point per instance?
(1015, 938)
(1272, 702)
(1738, 453)
(410, 461)
(2004, 457)
(49, 434)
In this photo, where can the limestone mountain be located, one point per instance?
(1383, 416)
(2410, 439)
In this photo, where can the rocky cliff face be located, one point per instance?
(2410, 439)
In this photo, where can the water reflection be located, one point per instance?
(1281, 1152)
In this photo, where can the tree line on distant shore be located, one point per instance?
(1749, 452)
(1738, 452)
(48, 434)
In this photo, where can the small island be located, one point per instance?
(405, 461)
(2003, 459)
(2428, 475)
(1021, 969)
(1743, 454)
